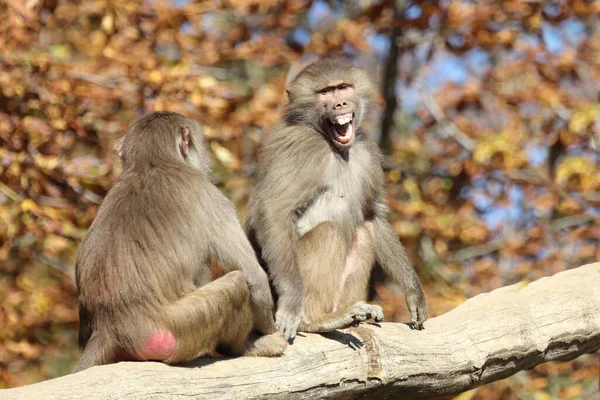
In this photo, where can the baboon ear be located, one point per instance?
(118, 148)
(184, 145)
(288, 92)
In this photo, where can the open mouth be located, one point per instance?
(343, 127)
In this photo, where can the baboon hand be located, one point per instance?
(287, 321)
(417, 305)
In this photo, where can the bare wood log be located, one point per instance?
(487, 338)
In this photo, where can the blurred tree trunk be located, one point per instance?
(389, 80)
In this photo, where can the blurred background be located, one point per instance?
(487, 113)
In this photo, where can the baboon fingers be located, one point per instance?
(416, 319)
(290, 331)
(418, 310)
(287, 323)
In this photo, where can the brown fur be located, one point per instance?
(148, 262)
(318, 216)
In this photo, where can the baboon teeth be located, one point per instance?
(343, 133)
(342, 119)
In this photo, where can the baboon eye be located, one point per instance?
(325, 90)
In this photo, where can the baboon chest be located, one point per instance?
(339, 195)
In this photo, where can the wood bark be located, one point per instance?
(487, 338)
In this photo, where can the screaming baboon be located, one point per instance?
(146, 269)
(318, 216)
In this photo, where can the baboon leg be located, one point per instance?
(216, 314)
(354, 283)
(321, 254)
(335, 278)
(359, 312)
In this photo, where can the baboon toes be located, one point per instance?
(363, 311)
(277, 344)
(377, 314)
(272, 345)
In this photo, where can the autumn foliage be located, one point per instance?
(492, 168)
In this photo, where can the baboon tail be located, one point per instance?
(95, 353)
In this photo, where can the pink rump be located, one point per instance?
(160, 346)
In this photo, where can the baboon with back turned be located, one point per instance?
(318, 217)
(145, 270)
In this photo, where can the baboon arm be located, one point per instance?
(279, 253)
(391, 256)
(233, 250)
(278, 250)
(291, 174)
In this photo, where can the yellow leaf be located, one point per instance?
(26, 284)
(46, 163)
(225, 156)
(28, 205)
(155, 76)
(503, 145)
(206, 82)
(466, 395)
(59, 124)
(394, 176)
(407, 229)
(108, 23)
(579, 172)
(42, 302)
(159, 105)
(412, 187)
(52, 213)
(196, 98)
(19, 89)
(54, 244)
(583, 117)
(540, 395)
(109, 52)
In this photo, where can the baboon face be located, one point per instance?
(332, 97)
(337, 106)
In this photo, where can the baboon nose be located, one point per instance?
(340, 105)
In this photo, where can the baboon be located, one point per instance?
(318, 217)
(148, 269)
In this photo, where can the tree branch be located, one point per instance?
(487, 338)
